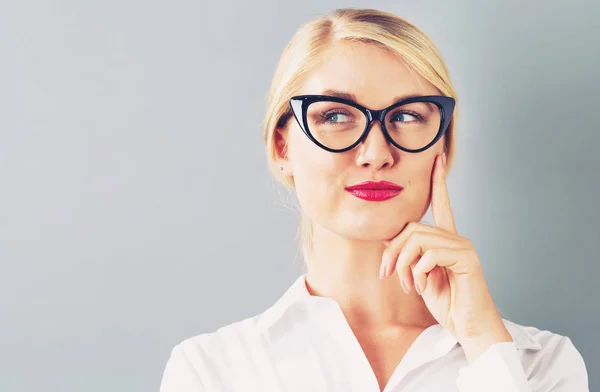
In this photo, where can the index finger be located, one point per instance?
(440, 201)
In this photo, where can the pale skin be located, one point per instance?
(358, 245)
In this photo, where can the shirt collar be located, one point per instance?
(295, 294)
(298, 293)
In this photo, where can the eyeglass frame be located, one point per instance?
(445, 104)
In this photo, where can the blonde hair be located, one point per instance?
(303, 52)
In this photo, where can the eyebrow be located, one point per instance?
(352, 97)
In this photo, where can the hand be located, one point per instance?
(445, 270)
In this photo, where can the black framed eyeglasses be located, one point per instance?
(337, 124)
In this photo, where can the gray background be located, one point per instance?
(135, 205)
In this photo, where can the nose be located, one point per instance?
(375, 150)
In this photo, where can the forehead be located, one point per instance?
(375, 76)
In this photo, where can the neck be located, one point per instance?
(347, 270)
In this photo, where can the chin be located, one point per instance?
(366, 235)
(371, 229)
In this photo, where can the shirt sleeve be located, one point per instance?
(179, 375)
(500, 369)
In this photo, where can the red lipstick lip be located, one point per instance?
(375, 186)
(375, 191)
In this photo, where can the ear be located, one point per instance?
(281, 151)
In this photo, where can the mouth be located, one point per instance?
(375, 191)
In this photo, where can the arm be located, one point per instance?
(560, 369)
(179, 374)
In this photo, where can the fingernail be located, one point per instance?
(382, 271)
(444, 160)
(403, 284)
(417, 288)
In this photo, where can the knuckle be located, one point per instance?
(431, 253)
(410, 242)
(412, 226)
(418, 237)
(467, 242)
(473, 254)
(414, 243)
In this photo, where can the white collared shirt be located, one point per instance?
(303, 343)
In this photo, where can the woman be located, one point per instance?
(360, 124)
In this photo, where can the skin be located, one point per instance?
(358, 245)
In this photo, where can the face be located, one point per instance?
(374, 77)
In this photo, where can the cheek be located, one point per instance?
(419, 181)
(318, 174)
(310, 161)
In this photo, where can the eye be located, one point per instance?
(405, 117)
(335, 117)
